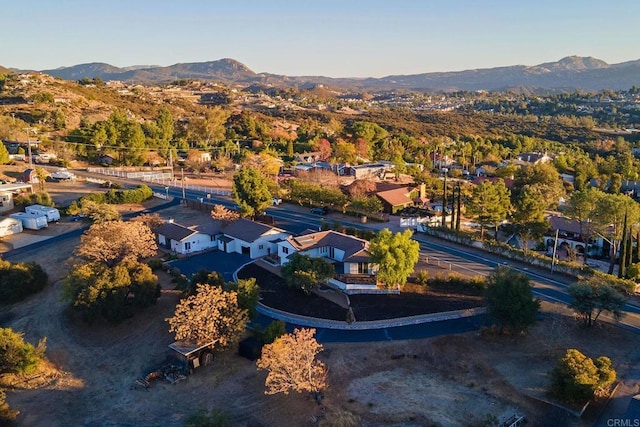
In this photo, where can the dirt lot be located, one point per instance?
(454, 380)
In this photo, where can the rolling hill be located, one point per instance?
(570, 73)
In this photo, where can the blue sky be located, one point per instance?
(348, 38)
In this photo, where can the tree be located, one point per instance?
(18, 356)
(528, 216)
(542, 178)
(153, 221)
(221, 213)
(305, 272)
(580, 208)
(510, 301)
(489, 205)
(251, 192)
(248, 294)
(96, 290)
(396, 256)
(577, 377)
(211, 315)
(292, 364)
(608, 219)
(42, 175)
(112, 242)
(592, 297)
(19, 280)
(99, 212)
(7, 415)
(366, 205)
(4, 155)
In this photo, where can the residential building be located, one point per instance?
(252, 238)
(184, 240)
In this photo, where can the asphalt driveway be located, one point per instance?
(222, 262)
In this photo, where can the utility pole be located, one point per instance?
(444, 199)
(29, 150)
(555, 247)
(182, 180)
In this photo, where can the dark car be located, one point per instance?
(319, 210)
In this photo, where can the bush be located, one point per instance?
(422, 278)
(7, 415)
(273, 331)
(18, 281)
(18, 356)
(577, 378)
(40, 198)
(155, 264)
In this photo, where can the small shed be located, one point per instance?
(195, 355)
(30, 176)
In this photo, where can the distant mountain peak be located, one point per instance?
(575, 63)
(569, 73)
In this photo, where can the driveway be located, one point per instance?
(222, 262)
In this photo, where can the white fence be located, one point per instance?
(180, 184)
(143, 175)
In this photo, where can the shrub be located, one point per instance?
(273, 331)
(18, 356)
(18, 281)
(40, 198)
(422, 278)
(7, 415)
(155, 264)
(577, 377)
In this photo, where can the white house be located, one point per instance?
(252, 238)
(349, 255)
(184, 240)
(8, 191)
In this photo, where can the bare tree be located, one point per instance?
(114, 241)
(211, 315)
(292, 364)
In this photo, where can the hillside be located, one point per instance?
(570, 73)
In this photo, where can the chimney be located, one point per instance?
(423, 191)
(170, 221)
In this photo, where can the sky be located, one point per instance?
(347, 38)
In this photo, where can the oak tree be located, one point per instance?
(305, 272)
(594, 296)
(510, 301)
(111, 242)
(211, 315)
(292, 364)
(576, 377)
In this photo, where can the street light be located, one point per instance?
(166, 191)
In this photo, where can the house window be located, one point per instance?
(285, 250)
(332, 252)
(363, 268)
(187, 246)
(261, 247)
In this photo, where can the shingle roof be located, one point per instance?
(397, 197)
(349, 244)
(175, 231)
(564, 224)
(211, 228)
(249, 231)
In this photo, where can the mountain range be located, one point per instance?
(570, 73)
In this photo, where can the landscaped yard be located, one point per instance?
(413, 300)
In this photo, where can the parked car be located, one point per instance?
(320, 210)
(276, 201)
